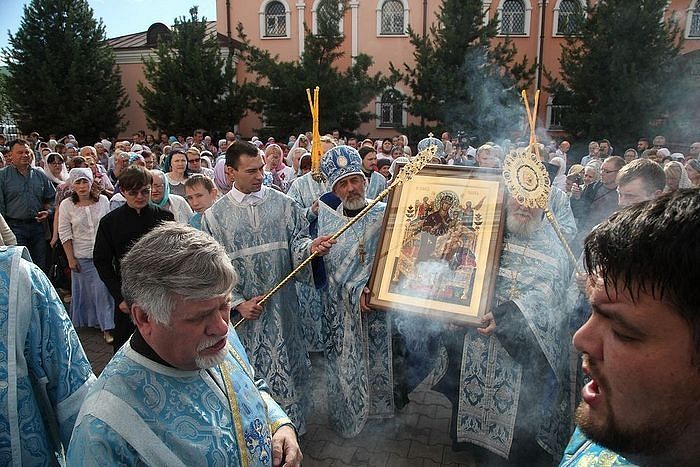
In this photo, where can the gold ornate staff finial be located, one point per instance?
(316, 148)
(527, 179)
(407, 173)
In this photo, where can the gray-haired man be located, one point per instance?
(181, 391)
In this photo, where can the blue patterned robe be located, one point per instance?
(305, 191)
(532, 276)
(143, 413)
(582, 452)
(358, 345)
(44, 373)
(264, 242)
(377, 184)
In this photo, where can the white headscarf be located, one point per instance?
(80, 173)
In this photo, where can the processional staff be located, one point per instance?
(527, 179)
(407, 173)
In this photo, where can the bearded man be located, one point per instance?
(357, 340)
(508, 380)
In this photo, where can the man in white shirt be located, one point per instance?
(265, 234)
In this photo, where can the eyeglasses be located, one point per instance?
(143, 192)
(192, 161)
(606, 171)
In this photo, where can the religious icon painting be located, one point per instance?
(440, 244)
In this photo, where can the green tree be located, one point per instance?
(618, 70)
(191, 83)
(63, 77)
(4, 99)
(280, 88)
(460, 80)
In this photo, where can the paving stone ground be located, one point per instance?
(417, 436)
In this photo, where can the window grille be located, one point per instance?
(694, 30)
(513, 17)
(390, 109)
(570, 17)
(392, 17)
(275, 20)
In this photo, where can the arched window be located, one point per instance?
(321, 9)
(513, 16)
(392, 18)
(568, 16)
(390, 109)
(694, 21)
(275, 20)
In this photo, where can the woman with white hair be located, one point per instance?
(163, 198)
(79, 217)
(676, 177)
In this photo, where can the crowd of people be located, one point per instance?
(163, 243)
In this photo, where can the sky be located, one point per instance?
(120, 17)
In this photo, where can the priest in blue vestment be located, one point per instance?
(44, 373)
(265, 234)
(357, 339)
(181, 391)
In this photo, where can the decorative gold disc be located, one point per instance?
(526, 178)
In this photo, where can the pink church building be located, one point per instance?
(378, 29)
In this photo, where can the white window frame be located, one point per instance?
(287, 20)
(550, 112)
(406, 11)
(378, 109)
(314, 19)
(528, 16)
(689, 19)
(555, 20)
(486, 9)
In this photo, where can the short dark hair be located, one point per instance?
(647, 170)
(646, 140)
(199, 179)
(637, 250)
(20, 141)
(238, 149)
(364, 150)
(134, 178)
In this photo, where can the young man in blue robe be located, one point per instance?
(265, 234)
(44, 373)
(181, 391)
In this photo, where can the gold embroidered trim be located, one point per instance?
(226, 371)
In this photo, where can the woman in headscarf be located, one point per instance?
(293, 159)
(693, 169)
(676, 176)
(221, 179)
(282, 176)
(56, 170)
(79, 216)
(176, 172)
(162, 197)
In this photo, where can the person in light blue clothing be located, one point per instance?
(357, 341)
(44, 373)
(641, 344)
(182, 391)
(265, 234)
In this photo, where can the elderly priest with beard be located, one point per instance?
(508, 380)
(358, 340)
(181, 391)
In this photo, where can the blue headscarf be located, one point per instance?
(166, 188)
